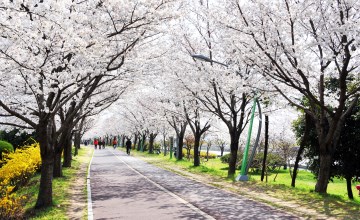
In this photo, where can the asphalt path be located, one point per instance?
(125, 187)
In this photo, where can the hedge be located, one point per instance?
(20, 166)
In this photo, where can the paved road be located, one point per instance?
(124, 187)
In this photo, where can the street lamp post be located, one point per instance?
(245, 163)
(207, 59)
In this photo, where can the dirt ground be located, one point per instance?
(78, 196)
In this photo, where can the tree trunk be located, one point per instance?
(59, 147)
(324, 172)
(196, 150)
(142, 143)
(123, 141)
(266, 147)
(67, 152)
(135, 141)
(44, 132)
(348, 186)
(151, 143)
(77, 140)
(57, 164)
(77, 135)
(234, 145)
(138, 148)
(207, 153)
(165, 148)
(301, 148)
(296, 165)
(180, 144)
(328, 131)
(327, 146)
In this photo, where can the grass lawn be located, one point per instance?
(306, 181)
(334, 204)
(60, 190)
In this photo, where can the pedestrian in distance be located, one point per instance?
(96, 142)
(114, 142)
(128, 146)
(100, 143)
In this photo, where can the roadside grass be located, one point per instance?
(61, 188)
(334, 204)
(305, 182)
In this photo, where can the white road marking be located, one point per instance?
(194, 208)
(90, 211)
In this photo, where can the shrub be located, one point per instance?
(202, 154)
(211, 155)
(272, 161)
(11, 205)
(157, 147)
(19, 168)
(225, 158)
(5, 147)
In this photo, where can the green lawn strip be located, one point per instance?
(61, 188)
(334, 204)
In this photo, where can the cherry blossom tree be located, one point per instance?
(38, 57)
(225, 92)
(53, 54)
(301, 46)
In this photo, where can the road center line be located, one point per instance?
(194, 208)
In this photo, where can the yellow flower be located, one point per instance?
(16, 171)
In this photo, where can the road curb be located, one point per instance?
(90, 211)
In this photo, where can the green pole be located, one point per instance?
(243, 175)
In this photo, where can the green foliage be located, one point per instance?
(17, 138)
(225, 158)
(272, 161)
(157, 146)
(347, 153)
(6, 146)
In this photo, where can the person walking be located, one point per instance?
(96, 142)
(114, 142)
(100, 143)
(128, 146)
(103, 143)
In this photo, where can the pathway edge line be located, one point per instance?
(90, 211)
